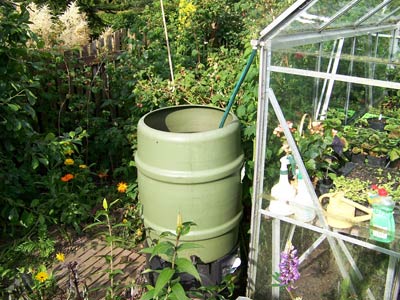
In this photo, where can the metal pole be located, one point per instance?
(348, 90)
(259, 160)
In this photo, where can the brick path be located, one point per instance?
(91, 266)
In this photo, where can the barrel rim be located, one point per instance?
(233, 123)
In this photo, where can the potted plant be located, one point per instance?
(368, 144)
(320, 147)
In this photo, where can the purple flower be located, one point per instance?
(289, 268)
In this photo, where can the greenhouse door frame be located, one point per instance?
(267, 97)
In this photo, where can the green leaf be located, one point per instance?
(187, 246)
(148, 295)
(185, 266)
(35, 163)
(147, 250)
(35, 202)
(241, 111)
(165, 248)
(44, 161)
(164, 277)
(13, 107)
(31, 97)
(179, 292)
(27, 219)
(94, 225)
(167, 233)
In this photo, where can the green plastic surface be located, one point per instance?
(187, 165)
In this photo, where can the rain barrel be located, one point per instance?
(187, 164)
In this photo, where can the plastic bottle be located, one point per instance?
(283, 192)
(382, 225)
(303, 205)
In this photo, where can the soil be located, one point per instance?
(375, 175)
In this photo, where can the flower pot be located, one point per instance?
(358, 158)
(377, 124)
(376, 161)
(323, 186)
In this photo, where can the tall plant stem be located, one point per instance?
(111, 274)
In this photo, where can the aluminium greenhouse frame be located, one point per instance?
(376, 21)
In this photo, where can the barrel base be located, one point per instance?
(210, 273)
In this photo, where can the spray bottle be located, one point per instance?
(283, 192)
(303, 206)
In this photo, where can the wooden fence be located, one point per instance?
(93, 55)
(111, 45)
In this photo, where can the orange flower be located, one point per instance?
(102, 175)
(67, 177)
(122, 187)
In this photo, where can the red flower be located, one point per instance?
(298, 55)
(382, 192)
(374, 187)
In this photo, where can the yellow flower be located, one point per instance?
(122, 187)
(179, 225)
(105, 204)
(60, 257)
(139, 233)
(124, 221)
(42, 276)
(69, 162)
(68, 151)
(186, 10)
(83, 166)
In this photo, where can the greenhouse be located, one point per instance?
(182, 150)
(326, 69)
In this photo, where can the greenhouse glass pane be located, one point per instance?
(316, 15)
(389, 14)
(355, 13)
(328, 14)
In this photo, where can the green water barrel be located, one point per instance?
(187, 165)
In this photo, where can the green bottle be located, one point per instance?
(382, 226)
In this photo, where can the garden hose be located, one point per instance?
(238, 84)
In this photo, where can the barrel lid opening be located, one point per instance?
(186, 119)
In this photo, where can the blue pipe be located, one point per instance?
(236, 90)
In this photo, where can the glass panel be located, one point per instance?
(389, 14)
(315, 16)
(320, 277)
(327, 14)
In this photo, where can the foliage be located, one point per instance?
(103, 219)
(168, 284)
(358, 189)
(319, 145)
(368, 141)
